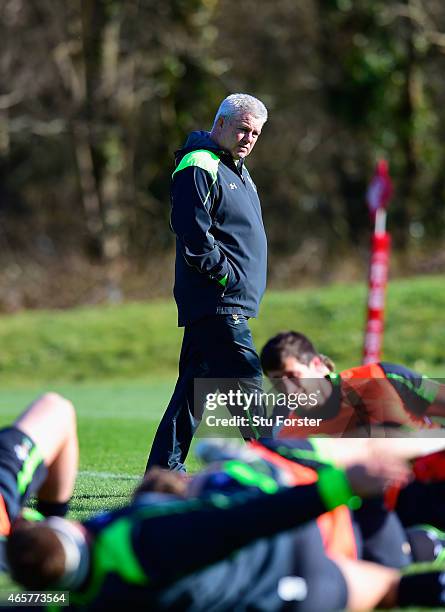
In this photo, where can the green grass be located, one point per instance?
(116, 425)
(118, 365)
(142, 341)
(89, 343)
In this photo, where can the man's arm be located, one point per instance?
(422, 396)
(202, 532)
(194, 191)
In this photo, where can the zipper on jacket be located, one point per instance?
(234, 166)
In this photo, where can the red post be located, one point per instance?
(378, 196)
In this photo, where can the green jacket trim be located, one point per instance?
(206, 160)
(30, 465)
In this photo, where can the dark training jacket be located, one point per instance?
(216, 216)
(139, 552)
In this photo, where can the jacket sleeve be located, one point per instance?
(201, 532)
(421, 395)
(194, 191)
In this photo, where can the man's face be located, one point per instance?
(239, 134)
(297, 377)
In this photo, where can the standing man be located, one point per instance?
(220, 272)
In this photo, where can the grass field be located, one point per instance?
(135, 341)
(118, 365)
(116, 424)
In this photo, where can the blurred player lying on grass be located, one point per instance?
(240, 535)
(38, 456)
(355, 400)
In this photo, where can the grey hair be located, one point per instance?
(239, 103)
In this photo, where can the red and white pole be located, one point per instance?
(378, 196)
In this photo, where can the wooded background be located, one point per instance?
(96, 95)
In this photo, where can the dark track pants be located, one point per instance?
(219, 348)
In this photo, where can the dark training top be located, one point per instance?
(378, 394)
(221, 247)
(140, 552)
